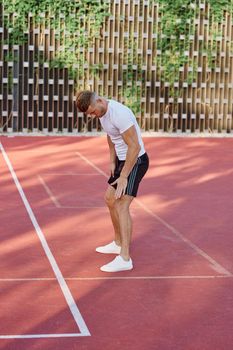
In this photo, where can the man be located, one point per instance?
(128, 164)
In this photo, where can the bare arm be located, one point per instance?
(112, 153)
(131, 139)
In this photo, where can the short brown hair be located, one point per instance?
(84, 99)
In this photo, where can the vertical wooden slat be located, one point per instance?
(34, 97)
(7, 110)
(1, 65)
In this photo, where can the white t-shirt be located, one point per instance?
(117, 120)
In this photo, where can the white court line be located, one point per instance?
(64, 287)
(41, 279)
(213, 263)
(56, 201)
(146, 277)
(49, 192)
(92, 164)
(38, 336)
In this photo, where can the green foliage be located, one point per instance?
(132, 98)
(76, 24)
(173, 39)
(132, 93)
(217, 8)
(174, 32)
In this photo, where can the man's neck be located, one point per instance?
(105, 102)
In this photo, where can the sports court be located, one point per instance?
(53, 295)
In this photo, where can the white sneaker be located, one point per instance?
(118, 264)
(111, 248)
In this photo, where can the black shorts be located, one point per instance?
(140, 168)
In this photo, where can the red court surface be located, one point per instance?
(53, 295)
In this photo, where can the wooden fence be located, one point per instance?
(36, 98)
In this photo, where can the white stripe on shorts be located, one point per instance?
(132, 177)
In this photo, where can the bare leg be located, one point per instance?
(110, 201)
(125, 222)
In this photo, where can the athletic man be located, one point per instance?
(128, 164)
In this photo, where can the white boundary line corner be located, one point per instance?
(63, 285)
(49, 192)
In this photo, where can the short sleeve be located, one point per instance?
(122, 119)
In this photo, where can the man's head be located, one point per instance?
(90, 103)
